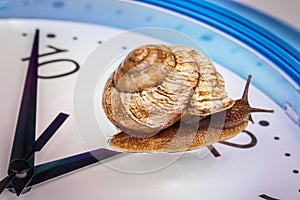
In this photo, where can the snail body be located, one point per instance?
(182, 137)
(156, 85)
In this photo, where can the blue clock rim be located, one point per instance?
(253, 28)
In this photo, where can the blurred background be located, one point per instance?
(285, 10)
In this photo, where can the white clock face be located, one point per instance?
(261, 163)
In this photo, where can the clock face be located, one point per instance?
(260, 163)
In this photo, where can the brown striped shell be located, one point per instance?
(157, 85)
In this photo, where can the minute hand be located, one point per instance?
(26, 124)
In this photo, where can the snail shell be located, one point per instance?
(157, 85)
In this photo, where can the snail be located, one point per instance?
(170, 98)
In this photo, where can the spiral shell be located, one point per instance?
(156, 84)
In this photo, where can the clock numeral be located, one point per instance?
(213, 150)
(77, 67)
(56, 51)
(252, 143)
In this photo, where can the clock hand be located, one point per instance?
(46, 135)
(19, 168)
(25, 129)
(5, 182)
(50, 170)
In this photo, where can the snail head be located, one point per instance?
(242, 107)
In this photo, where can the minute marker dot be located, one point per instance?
(26, 3)
(206, 37)
(119, 12)
(58, 4)
(88, 7)
(276, 138)
(264, 123)
(51, 35)
(258, 63)
(149, 19)
(287, 154)
(234, 50)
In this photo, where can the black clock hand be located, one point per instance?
(63, 166)
(54, 169)
(6, 181)
(20, 167)
(46, 135)
(25, 129)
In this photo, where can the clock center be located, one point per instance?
(20, 168)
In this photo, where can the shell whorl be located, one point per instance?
(156, 84)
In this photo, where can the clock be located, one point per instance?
(260, 163)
